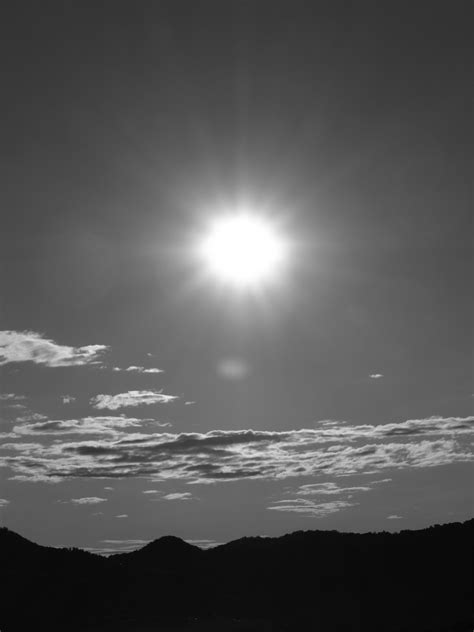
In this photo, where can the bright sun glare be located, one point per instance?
(244, 250)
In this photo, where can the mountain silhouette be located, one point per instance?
(321, 581)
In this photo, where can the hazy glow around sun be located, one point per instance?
(243, 249)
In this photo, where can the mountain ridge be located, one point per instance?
(172, 540)
(410, 581)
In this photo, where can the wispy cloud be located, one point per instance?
(109, 547)
(4, 502)
(102, 425)
(11, 397)
(204, 544)
(126, 542)
(311, 499)
(220, 455)
(376, 376)
(394, 517)
(29, 346)
(178, 496)
(311, 508)
(157, 495)
(68, 399)
(138, 369)
(122, 516)
(131, 398)
(87, 500)
(31, 417)
(328, 489)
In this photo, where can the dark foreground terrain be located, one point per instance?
(321, 581)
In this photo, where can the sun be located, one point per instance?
(244, 250)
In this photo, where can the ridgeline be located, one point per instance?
(308, 581)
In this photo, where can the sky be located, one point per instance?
(142, 396)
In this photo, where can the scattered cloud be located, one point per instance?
(13, 401)
(11, 397)
(178, 496)
(376, 376)
(314, 503)
(221, 455)
(122, 516)
(31, 417)
(190, 403)
(139, 369)
(131, 398)
(29, 346)
(111, 547)
(109, 489)
(88, 500)
(68, 399)
(101, 425)
(160, 495)
(126, 542)
(394, 517)
(328, 489)
(122, 546)
(311, 508)
(204, 544)
(4, 502)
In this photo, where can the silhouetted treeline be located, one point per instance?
(311, 581)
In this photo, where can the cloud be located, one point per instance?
(160, 495)
(139, 369)
(328, 489)
(178, 496)
(29, 346)
(11, 397)
(88, 500)
(203, 544)
(106, 425)
(376, 376)
(122, 516)
(394, 517)
(131, 398)
(31, 417)
(111, 547)
(4, 502)
(220, 455)
(68, 399)
(126, 542)
(310, 508)
(13, 401)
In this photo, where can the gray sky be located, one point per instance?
(141, 397)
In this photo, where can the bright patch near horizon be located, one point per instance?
(243, 250)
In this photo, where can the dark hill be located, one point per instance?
(321, 581)
(167, 554)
